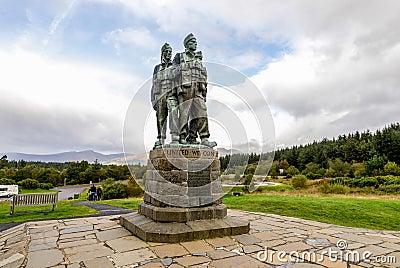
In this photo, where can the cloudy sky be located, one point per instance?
(69, 69)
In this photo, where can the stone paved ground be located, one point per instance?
(102, 242)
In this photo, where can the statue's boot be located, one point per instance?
(174, 139)
(208, 143)
(192, 140)
(182, 140)
(159, 144)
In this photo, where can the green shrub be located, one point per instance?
(29, 184)
(327, 188)
(292, 171)
(392, 189)
(299, 181)
(46, 186)
(108, 182)
(391, 168)
(5, 181)
(133, 191)
(114, 191)
(388, 180)
(368, 182)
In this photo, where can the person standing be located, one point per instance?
(164, 99)
(99, 192)
(191, 90)
(92, 193)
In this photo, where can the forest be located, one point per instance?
(352, 155)
(55, 174)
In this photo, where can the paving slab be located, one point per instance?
(266, 236)
(53, 233)
(44, 258)
(376, 250)
(41, 229)
(220, 254)
(197, 246)
(8, 251)
(76, 235)
(127, 243)
(16, 238)
(85, 248)
(77, 229)
(252, 248)
(88, 255)
(247, 239)
(170, 250)
(42, 246)
(112, 234)
(272, 243)
(13, 261)
(102, 262)
(191, 260)
(105, 225)
(295, 246)
(76, 243)
(152, 264)
(132, 257)
(390, 245)
(221, 242)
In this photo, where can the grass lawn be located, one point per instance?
(130, 203)
(36, 191)
(65, 209)
(369, 213)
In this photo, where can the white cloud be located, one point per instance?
(57, 20)
(137, 37)
(324, 95)
(69, 104)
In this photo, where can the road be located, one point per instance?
(69, 191)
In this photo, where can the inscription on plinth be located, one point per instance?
(183, 177)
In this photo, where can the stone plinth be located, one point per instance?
(148, 229)
(182, 201)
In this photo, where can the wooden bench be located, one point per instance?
(22, 200)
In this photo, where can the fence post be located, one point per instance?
(12, 206)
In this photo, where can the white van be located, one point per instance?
(8, 190)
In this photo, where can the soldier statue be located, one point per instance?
(191, 88)
(164, 99)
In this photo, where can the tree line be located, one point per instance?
(352, 155)
(82, 172)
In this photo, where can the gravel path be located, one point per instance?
(69, 191)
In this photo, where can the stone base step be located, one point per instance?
(172, 232)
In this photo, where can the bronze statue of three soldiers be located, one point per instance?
(179, 92)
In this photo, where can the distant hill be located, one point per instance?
(223, 151)
(91, 156)
(73, 156)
